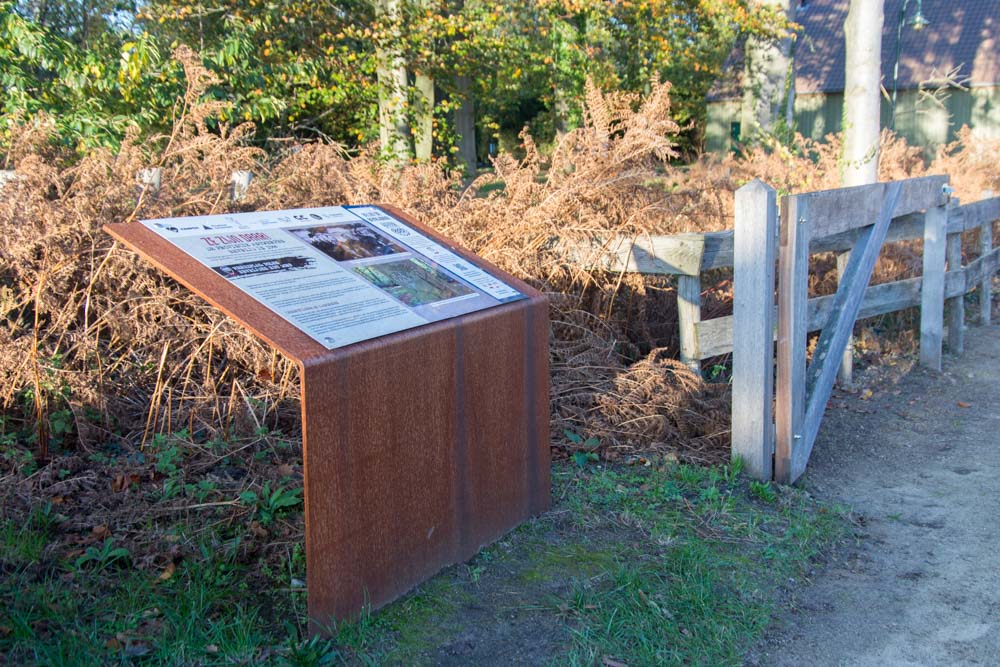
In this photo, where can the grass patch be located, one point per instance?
(643, 565)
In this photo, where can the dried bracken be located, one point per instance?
(89, 328)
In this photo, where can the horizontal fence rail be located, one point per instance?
(837, 221)
(690, 255)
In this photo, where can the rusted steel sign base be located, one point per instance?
(419, 447)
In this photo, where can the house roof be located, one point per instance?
(963, 34)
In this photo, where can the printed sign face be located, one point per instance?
(341, 274)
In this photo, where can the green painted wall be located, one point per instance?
(922, 119)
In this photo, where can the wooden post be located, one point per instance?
(956, 304)
(241, 183)
(6, 176)
(688, 316)
(793, 294)
(753, 328)
(846, 373)
(151, 179)
(932, 287)
(986, 286)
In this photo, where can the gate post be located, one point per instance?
(754, 247)
(932, 287)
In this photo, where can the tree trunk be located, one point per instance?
(862, 104)
(862, 97)
(392, 84)
(423, 127)
(465, 125)
(423, 135)
(768, 79)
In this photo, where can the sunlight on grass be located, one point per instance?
(647, 566)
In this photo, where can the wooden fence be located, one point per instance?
(849, 219)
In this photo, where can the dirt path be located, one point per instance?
(919, 463)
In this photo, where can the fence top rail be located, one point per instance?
(974, 215)
(836, 211)
(678, 254)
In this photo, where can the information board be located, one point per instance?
(341, 274)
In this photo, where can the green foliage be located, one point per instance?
(307, 68)
(271, 503)
(586, 448)
(632, 565)
(101, 557)
(291, 66)
(764, 491)
(205, 614)
(92, 92)
(314, 652)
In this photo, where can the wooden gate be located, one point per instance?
(865, 216)
(857, 219)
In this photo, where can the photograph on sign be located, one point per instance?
(340, 274)
(413, 282)
(346, 242)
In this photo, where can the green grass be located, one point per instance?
(699, 583)
(667, 566)
(69, 615)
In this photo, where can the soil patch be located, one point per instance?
(918, 462)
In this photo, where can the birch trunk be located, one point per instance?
(862, 97)
(423, 135)
(392, 84)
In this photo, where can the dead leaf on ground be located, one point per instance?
(5, 630)
(963, 404)
(123, 482)
(97, 534)
(168, 571)
(866, 394)
(613, 662)
(259, 530)
(286, 470)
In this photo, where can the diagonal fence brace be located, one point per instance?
(833, 340)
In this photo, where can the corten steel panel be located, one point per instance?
(419, 447)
